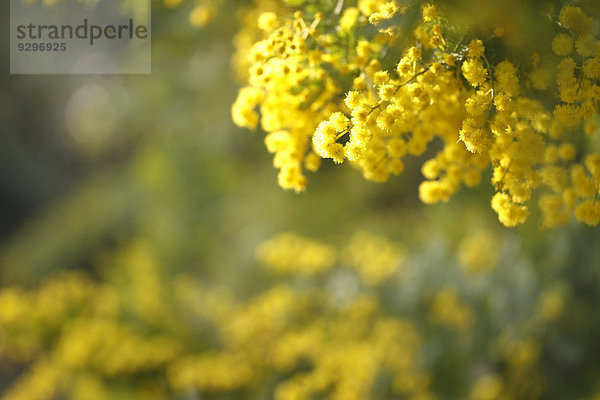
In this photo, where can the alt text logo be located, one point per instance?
(74, 37)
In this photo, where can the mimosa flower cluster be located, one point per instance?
(342, 82)
(327, 324)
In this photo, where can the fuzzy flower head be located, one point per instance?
(428, 12)
(562, 44)
(574, 18)
(475, 48)
(474, 72)
(509, 213)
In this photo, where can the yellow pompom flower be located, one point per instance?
(551, 304)
(475, 48)
(509, 213)
(428, 12)
(476, 140)
(202, 14)
(374, 257)
(291, 253)
(488, 387)
(172, 3)
(574, 18)
(448, 309)
(592, 163)
(586, 45)
(431, 192)
(267, 21)
(567, 114)
(588, 212)
(450, 59)
(474, 72)
(478, 253)
(562, 44)
(385, 12)
(555, 211)
(591, 68)
(582, 184)
(349, 18)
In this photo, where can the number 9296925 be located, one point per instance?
(42, 46)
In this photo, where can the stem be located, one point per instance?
(458, 44)
(421, 72)
(338, 7)
(564, 27)
(499, 185)
(342, 133)
(580, 80)
(376, 106)
(489, 68)
(312, 26)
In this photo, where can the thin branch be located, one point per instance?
(338, 7)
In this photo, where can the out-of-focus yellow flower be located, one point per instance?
(488, 387)
(290, 253)
(428, 12)
(479, 253)
(551, 303)
(202, 14)
(375, 258)
(173, 3)
(447, 309)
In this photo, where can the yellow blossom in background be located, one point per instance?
(375, 258)
(202, 14)
(488, 387)
(82, 337)
(267, 21)
(447, 309)
(291, 253)
(428, 12)
(551, 304)
(479, 253)
(173, 3)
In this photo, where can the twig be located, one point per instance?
(338, 7)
